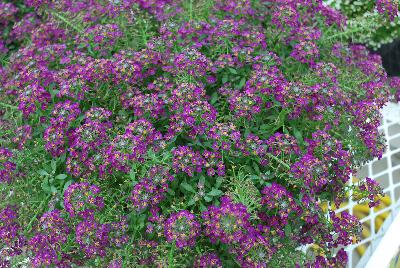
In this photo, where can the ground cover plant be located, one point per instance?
(183, 133)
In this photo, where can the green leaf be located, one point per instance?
(67, 184)
(202, 179)
(218, 182)
(207, 198)
(281, 119)
(45, 185)
(187, 187)
(171, 254)
(62, 158)
(215, 192)
(53, 189)
(43, 172)
(299, 137)
(202, 207)
(61, 177)
(288, 229)
(233, 71)
(53, 165)
(171, 192)
(256, 168)
(191, 202)
(241, 83)
(224, 79)
(132, 174)
(254, 177)
(214, 98)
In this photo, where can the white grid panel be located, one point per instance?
(387, 172)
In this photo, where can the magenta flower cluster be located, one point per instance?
(389, 8)
(183, 133)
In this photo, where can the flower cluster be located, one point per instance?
(228, 223)
(45, 245)
(182, 228)
(146, 194)
(82, 199)
(10, 233)
(280, 203)
(92, 237)
(7, 167)
(209, 260)
(100, 38)
(370, 190)
(389, 8)
(214, 129)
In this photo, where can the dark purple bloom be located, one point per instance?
(82, 199)
(182, 229)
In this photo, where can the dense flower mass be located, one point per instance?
(177, 133)
(182, 228)
(389, 8)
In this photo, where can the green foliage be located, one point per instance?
(377, 30)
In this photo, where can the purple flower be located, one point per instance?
(100, 38)
(145, 194)
(118, 233)
(7, 167)
(285, 16)
(55, 136)
(82, 199)
(389, 8)
(45, 253)
(207, 260)
(305, 52)
(90, 135)
(187, 160)
(54, 227)
(346, 227)
(64, 113)
(278, 201)
(182, 229)
(228, 223)
(21, 135)
(92, 237)
(369, 190)
(32, 95)
(11, 232)
(254, 251)
(97, 114)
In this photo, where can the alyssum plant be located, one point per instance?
(183, 133)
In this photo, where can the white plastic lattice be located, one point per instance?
(387, 172)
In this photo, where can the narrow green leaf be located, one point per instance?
(288, 229)
(61, 177)
(187, 187)
(233, 71)
(43, 172)
(207, 198)
(67, 184)
(53, 165)
(241, 83)
(218, 182)
(215, 192)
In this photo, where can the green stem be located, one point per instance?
(66, 21)
(355, 30)
(279, 161)
(29, 227)
(191, 10)
(9, 106)
(171, 256)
